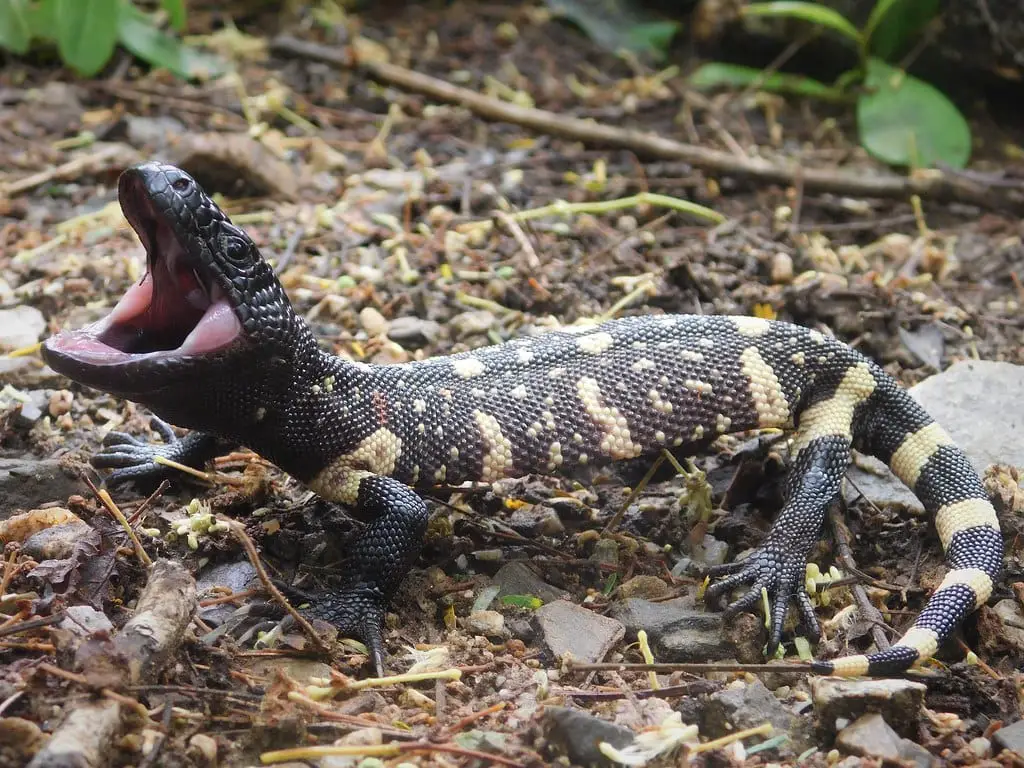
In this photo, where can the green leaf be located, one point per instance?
(811, 12)
(618, 24)
(15, 34)
(522, 601)
(42, 20)
(721, 75)
(904, 19)
(139, 35)
(906, 121)
(175, 13)
(609, 584)
(654, 37)
(86, 33)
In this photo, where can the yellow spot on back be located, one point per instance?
(595, 343)
(696, 385)
(765, 390)
(519, 392)
(554, 455)
(643, 364)
(751, 326)
(524, 356)
(468, 367)
(617, 441)
(497, 460)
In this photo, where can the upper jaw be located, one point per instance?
(179, 311)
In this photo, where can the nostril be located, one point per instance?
(182, 184)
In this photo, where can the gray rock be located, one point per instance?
(567, 628)
(236, 576)
(1011, 737)
(58, 542)
(644, 588)
(472, 323)
(913, 752)
(487, 623)
(734, 709)
(536, 520)
(519, 579)
(712, 551)
(980, 746)
(676, 629)
(20, 326)
(873, 480)
(870, 736)
(152, 132)
(577, 735)
(978, 403)
(84, 620)
(1013, 619)
(27, 483)
(297, 669)
(898, 701)
(413, 332)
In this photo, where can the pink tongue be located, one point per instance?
(216, 329)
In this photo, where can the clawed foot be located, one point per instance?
(133, 459)
(357, 611)
(778, 570)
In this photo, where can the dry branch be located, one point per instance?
(134, 656)
(931, 184)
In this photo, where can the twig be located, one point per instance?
(695, 688)
(532, 260)
(69, 170)
(30, 624)
(472, 717)
(250, 550)
(933, 184)
(104, 497)
(636, 491)
(860, 595)
(383, 750)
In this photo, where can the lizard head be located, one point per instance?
(208, 303)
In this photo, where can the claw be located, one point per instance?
(166, 430)
(776, 569)
(357, 611)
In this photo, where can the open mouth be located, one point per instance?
(176, 310)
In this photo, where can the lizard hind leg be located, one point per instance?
(378, 561)
(779, 563)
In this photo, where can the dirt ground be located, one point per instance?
(914, 285)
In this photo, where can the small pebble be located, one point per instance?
(489, 623)
(60, 402)
(782, 268)
(981, 746)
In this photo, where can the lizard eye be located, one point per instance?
(235, 249)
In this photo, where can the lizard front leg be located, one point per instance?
(132, 459)
(379, 559)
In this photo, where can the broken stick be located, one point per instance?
(932, 184)
(135, 656)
